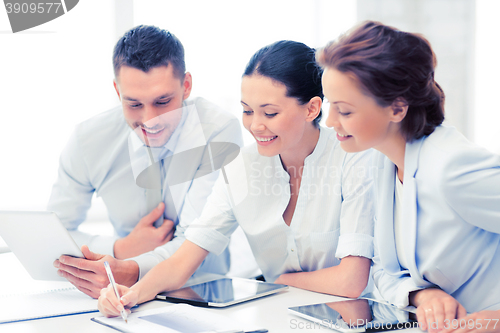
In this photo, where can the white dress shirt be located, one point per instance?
(333, 216)
(104, 157)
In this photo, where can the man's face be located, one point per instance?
(152, 101)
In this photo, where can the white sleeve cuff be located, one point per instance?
(354, 244)
(146, 262)
(402, 296)
(97, 244)
(207, 238)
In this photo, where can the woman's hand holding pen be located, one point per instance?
(110, 306)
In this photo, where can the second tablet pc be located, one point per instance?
(222, 292)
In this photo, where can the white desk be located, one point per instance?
(270, 312)
(3, 247)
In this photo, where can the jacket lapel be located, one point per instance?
(409, 207)
(384, 232)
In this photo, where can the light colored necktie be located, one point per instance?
(152, 179)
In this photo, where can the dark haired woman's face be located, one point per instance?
(359, 121)
(277, 122)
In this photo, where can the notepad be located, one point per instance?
(50, 303)
(176, 318)
(23, 298)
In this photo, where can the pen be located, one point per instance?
(113, 284)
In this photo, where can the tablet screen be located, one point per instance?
(360, 315)
(37, 239)
(222, 292)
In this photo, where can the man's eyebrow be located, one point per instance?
(165, 96)
(157, 98)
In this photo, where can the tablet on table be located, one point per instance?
(221, 292)
(358, 315)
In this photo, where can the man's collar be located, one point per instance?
(174, 138)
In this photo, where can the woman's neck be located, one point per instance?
(294, 158)
(394, 148)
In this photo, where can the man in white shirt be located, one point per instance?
(149, 159)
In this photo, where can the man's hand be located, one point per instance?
(145, 236)
(89, 276)
(436, 309)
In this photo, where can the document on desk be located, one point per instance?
(50, 303)
(177, 318)
(23, 298)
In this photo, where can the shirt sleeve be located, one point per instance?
(357, 210)
(71, 197)
(217, 222)
(190, 211)
(395, 287)
(471, 186)
(194, 203)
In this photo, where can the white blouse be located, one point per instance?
(333, 216)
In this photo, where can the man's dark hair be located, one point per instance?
(145, 47)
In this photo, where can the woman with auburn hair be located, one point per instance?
(304, 204)
(437, 225)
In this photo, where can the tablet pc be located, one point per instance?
(37, 239)
(359, 315)
(222, 292)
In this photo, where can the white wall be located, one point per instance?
(55, 75)
(220, 36)
(487, 72)
(51, 77)
(58, 74)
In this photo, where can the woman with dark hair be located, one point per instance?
(304, 204)
(437, 229)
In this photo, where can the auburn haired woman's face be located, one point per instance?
(359, 121)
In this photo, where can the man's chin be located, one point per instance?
(156, 142)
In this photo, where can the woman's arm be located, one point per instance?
(170, 274)
(347, 279)
(355, 244)
(472, 187)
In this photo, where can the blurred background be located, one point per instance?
(58, 74)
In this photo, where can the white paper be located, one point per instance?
(45, 304)
(22, 297)
(174, 319)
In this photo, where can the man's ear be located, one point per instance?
(187, 85)
(116, 89)
(399, 109)
(313, 108)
